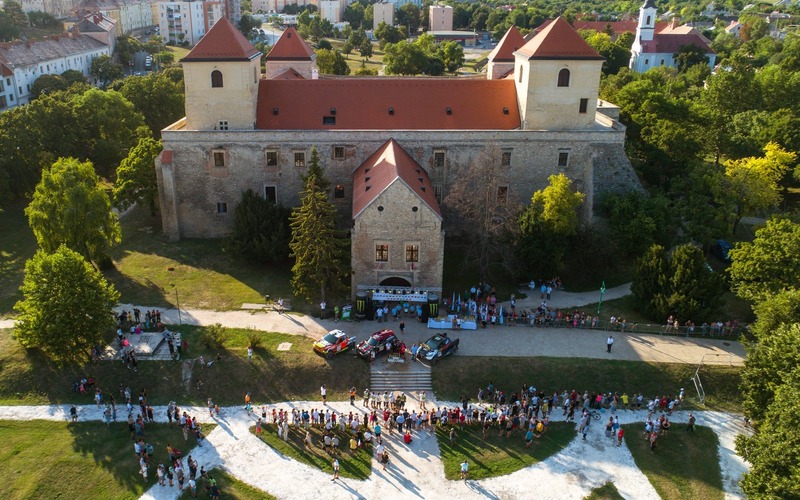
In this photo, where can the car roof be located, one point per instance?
(337, 332)
(382, 334)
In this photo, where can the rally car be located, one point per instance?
(437, 347)
(381, 341)
(334, 342)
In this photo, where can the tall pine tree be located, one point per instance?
(319, 253)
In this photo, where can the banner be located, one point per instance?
(400, 297)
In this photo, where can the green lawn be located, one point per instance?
(44, 459)
(204, 275)
(606, 492)
(498, 456)
(685, 465)
(27, 379)
(355, 465)
(229, 487)
(462, 375)
(16, 246)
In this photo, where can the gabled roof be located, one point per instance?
(558, 41)
(223, 42)
(289, 74)
(390, 164)
(387, 104)
(617, 27)
(510, 43)
(19, 54)
(290, 47)
(671, 39)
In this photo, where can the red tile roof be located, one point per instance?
(290, 47)
(668, 43)
(387, 165)
(558, 41)
(618, 27)
(223, 42)
(510, 43)
(388, 104)
(289, 74)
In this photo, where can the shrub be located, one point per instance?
(213, 337)
(254, 339)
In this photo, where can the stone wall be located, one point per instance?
(397, 217)
(197, 186)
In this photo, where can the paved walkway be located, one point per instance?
(416, 470)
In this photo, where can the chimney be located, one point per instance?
(676, 21)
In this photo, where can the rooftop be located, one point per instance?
(223, 42)
(558, 40)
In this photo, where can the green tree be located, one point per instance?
(405, 58)
(754, 27)
(365, 49)
(769, 264)
(452, 55)
(70, 207)
(110, 127)
(347, 48)
(774, 449)
(315, 169)
(8, 30)
(649, 278)
(386, 34)
(547, 225)
(127, 47)
(66, 309)
(261, 230)
(691, 290)
(73, 76)
(159, 99)
(354, 14)
(41, 19)
(616, 55)
(753, 184)
(105, 70)
(319, 253)
(48, 83)
(690, 55)
(409, 15)
(13, 10)
(773, 354)
(331, 62)
(636, 221)
(136, 176)
(248, 23)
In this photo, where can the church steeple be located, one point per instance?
(647, 22)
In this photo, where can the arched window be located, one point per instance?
(563, 78)
(216, 78)
(520, 73)
(648, 21)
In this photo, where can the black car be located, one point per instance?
(437, 347)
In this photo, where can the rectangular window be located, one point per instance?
(505, 159)
(382, 253)
(272, 158)
(563, 159)
(222, 125)
(329, 120)
(438, 158)
(412, 253)
(3, 103)
(338, 152)
(222, 208)
(300, 159)
(271, 193)
(584, 105)
(502, 195)
(338, 191)
(437, 191)
(219, 159)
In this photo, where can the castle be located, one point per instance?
(391, 146)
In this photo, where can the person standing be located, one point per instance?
(249, 354)
(73, 412)
(322, 306)
(353, 396)
(324, 393)
(464, 469)
(690, 425)
(402, 326)
(335, 469)
(609, 343)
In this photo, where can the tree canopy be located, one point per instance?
(261, 230)
(66, 309)
(136, 176)
(71, 208)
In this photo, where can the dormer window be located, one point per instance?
(563, 78)
(216, 79)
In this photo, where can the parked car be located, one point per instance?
(721, 248)
(437, 347)
(334, 342)
(380, 341)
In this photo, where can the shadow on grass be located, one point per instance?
(352, 464)
(498, 456)
(684, 464)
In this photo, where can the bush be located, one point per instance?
(213, 337)
(254, 339)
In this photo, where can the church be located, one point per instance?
(391, 146)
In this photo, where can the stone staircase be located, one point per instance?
(406, 379)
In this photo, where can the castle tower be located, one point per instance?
(501, 59)
(221, 76)
(290, 52)
(557, 77)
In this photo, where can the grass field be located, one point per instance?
(462, 375)
(229, 487)
(18, 245)
(273, 376)
(44, 459)
(606, 492)
(498, 456)
(685, 465)
(354, 465)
